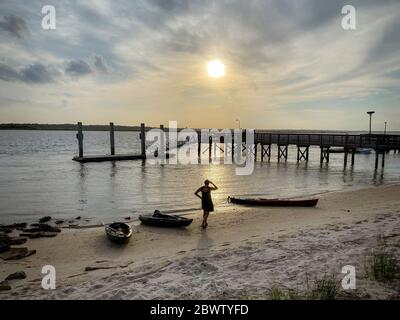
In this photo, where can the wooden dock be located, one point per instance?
(350, 143)
(114, 157)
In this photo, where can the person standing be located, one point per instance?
(206, 200)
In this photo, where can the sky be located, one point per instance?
(288, 64)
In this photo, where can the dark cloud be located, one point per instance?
(78, 68)
(15, 26)
(171, 5)
(8, 74)
(100, 64)
(36, 74)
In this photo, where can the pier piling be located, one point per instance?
(112, 144)
(302, 153)
(265, 151)
(79, 136)
(163, 147)
(143, 139)
(199, 144)
(210, 141)
(282, 152)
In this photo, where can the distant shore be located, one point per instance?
(63, 127)
(104, 127)
(245, 253)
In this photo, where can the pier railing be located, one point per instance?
(375, 141)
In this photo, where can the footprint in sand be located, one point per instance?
(181, 252)
(97, 286)
(68, 290)
(225, 244)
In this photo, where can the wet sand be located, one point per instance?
(244, 253)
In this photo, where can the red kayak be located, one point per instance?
(274, 202)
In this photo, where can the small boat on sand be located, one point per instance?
(274, 202)
(118, 232)
(163, 220)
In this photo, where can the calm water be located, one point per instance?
(38, 177)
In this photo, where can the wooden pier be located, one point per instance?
(349, 143)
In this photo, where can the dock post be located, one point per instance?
(353, 152)
(255, 151)
(262, 152)
(210, 141)
(376, 159)
(162, 143)
(112, 145)
(79, 136)
(199, 144)
(346, 153)
(324, 154)
(302, 154)
(265, 152)
(143, 139)
(282, 152)
(346, 150)
(383, 159)
(233, 146)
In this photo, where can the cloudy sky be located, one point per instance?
(289, 63)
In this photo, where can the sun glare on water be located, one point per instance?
(215, 69)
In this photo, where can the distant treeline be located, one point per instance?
(66, 126)
(97, 127)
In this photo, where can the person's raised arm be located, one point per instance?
(215, 187)
(197, 193)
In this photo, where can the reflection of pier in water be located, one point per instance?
(327, 142)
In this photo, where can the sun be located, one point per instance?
(215, 69)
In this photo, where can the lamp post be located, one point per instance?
(370, 120)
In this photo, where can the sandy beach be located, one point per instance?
(244, 253)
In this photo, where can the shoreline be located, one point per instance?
(252, 239)
(84, 222)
